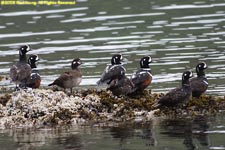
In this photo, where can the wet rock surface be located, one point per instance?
(44, 107)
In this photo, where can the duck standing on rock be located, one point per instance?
(113, 71)
(143, 77)
(35, 79)
(199, 84)
(20, 72)
(70, 78)
(177, 96)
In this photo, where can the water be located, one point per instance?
(177, 34)
(197, 133)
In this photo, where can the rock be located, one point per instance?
(43, 107)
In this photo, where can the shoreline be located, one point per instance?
(45, 107)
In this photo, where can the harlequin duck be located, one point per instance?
(20, 72)
(113, 71)
(177, 96)
(143, 77)
(121, 86)
(199, 84)
(70, 78)
(35, 79)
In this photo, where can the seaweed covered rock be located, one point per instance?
(46, 107)
(41, 107)
(204, 105)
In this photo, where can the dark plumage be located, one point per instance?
(70, 78)
(113, 71)
(199, 84)
(20, 72)
(35, 79)
(122, 86)
(177, 96)
(143, 77)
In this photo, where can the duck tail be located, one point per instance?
(100, 82)
(51, 84)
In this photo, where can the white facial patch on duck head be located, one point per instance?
(37, 58)
(28, 48)
(121, 57)
(150, 59)
(75, 62)
(205, 66)
(191, 74)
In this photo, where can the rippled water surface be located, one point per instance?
(160, 134)
(177, 34)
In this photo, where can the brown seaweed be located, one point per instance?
(42, 107)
